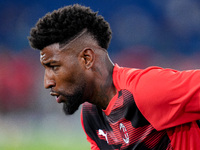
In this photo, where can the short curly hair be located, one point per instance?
(66, 23)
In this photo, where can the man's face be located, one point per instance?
(64, 76)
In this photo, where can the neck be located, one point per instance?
(104, 88)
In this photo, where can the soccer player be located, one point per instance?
(123, 108)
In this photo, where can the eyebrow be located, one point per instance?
(53, 62)
(49, 62)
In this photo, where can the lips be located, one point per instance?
(58, 99)
(57, 96)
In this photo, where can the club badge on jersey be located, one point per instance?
(124, 133)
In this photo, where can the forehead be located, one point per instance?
(50, 51)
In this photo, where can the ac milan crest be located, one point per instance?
(124, 133)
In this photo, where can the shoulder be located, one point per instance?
(123, 76)
(89, 111)
(87, 107)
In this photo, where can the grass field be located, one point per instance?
(40, 143)
(46, 133)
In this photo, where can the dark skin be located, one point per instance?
(80, 70)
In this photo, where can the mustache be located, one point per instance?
(62, 93)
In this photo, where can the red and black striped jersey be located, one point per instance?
(154, 109)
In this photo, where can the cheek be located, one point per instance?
(72, 76)
(71, 70)
(69, 81)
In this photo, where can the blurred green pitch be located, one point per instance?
(38, 140)
(51, 131)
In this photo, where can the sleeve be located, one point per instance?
(93, 144)
(167, 97)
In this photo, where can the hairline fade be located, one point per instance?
(74, 38)
(66, 23)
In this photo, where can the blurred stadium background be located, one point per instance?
(148, 32)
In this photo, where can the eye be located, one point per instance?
(54, 67)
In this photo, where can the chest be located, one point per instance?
(125, 127)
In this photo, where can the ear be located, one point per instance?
(87, 57)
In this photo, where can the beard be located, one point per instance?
(74, 101)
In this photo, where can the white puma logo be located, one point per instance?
(101, 132)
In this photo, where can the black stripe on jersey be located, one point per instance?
(132, 112)
(147, 138)
(198, 123)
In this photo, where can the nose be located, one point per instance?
(49, 82)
